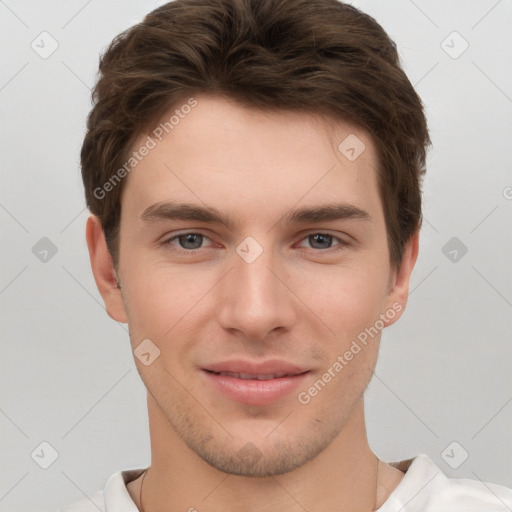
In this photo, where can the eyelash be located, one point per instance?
(340, 245)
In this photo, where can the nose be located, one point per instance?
(254, 298)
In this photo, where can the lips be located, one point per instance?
(249, 376)
(265, 368)
(254, 383)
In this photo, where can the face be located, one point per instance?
(254, 258)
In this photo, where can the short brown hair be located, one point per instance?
(321, 56)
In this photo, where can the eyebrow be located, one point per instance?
(324, 213)
(169, 210)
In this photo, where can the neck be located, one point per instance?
(346, 476)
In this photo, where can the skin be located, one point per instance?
(301, 301)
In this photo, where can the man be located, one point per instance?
(253, 171)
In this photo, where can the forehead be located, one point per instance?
(219, 152)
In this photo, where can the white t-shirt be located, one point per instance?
(424, 488)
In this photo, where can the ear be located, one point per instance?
(400, 279)
(103, 270)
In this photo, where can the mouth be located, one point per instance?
(249, 376)
(254, 384)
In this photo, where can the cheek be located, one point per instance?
(163, 303)
(346, 299)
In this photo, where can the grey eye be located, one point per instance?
(320, 241)
(191, 241)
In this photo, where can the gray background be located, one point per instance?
(67, 374)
